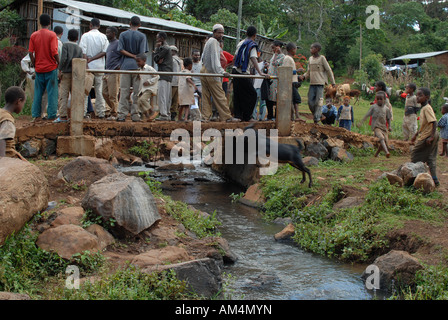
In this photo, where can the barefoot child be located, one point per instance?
(187, 88)
(426, 138)
(410, 113)
(381, 117)
(147, 95)
(15, 100)
(443, 125)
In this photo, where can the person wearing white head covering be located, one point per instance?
(212, 87)
(178, 66)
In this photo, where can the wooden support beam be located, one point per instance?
(284, 101)
(78, 96)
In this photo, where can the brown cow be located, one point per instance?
(330, 92)
(356, 94)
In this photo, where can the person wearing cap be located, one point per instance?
(212, 86)
(178, 66)
(164, 59)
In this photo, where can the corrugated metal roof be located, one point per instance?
(417, 56)
(113, 12)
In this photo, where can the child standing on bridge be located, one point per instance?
(187, 88)
(380, 122)
(319, 72)
(147, 94)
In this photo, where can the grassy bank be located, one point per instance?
(357, 233)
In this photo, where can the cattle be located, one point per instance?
(330, 92)
(355, 94)
(343, 90)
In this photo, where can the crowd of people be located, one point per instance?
(150, 97)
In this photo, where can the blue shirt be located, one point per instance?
(329, 112)
(443, 125)
(113, 56)
(134, 42)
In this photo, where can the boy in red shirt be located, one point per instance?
(43, 50)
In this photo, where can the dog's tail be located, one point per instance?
(301, 147)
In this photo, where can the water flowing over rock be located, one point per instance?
(86, 170)
(125, 199)
(24, 191)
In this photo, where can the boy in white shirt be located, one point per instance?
(147, 94)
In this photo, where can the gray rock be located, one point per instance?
(396, 267)
(316, 150)
(48, 147)
(341, 155)
(203, 276)
(126, 199)
(31, 148)
(409, 171)
(310, 161)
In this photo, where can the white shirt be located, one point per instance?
(258, 82)
(93, 43)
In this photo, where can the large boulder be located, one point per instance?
(409, 171)
(424, 182)
(104, 237)
(203, 276)
(70, 215)
(24, 191)
(125, 199)
(66, 240)
(86, 170)
(396, 268)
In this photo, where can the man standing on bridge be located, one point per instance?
(130, 43)
(212, 86)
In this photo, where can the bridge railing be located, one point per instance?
(79, 71)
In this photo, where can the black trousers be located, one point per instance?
(270, 106)
(244, 97)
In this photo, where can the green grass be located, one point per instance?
(359, 111)
(354, 234)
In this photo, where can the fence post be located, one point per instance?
(78, 96)
(77, 144)
(284, 101)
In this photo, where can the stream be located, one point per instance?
(266, 269)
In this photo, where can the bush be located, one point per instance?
(11, 73)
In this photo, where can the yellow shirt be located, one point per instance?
(427, 116)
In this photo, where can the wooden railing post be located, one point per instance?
(78, 96)
(77, 144)
(284, 101)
